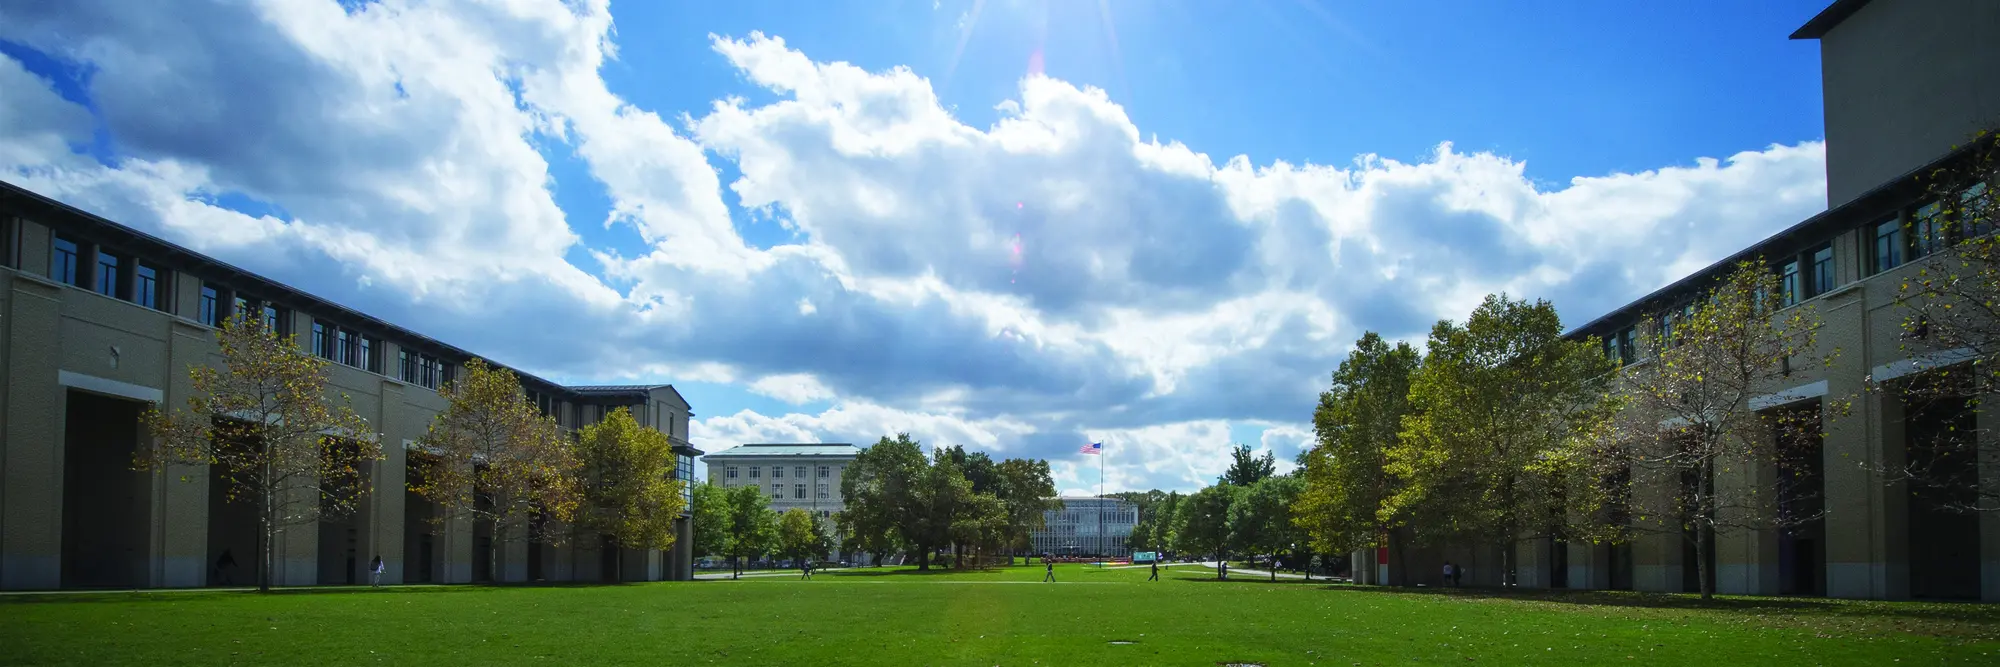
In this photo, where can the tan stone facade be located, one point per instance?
(1888, 119)
(98, 321)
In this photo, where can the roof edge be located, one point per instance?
(1825, 21)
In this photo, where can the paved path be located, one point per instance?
(766, 573)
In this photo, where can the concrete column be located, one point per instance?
(1531, 563)
(31, 462)
(1657, 546)
(457, 537)
(1867, 531)
(513, 565)
(180, 493)
(297, 551)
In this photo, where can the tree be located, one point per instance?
(1162, 535)
(636, 496)
(940, 493)
(710, 515)
(1951, 323)
(1027, 492)
(980, 522)
(1202, 524)
(887, 498)
(1358, 421)
(496, 459)
(800, 536)
(753, 527)
(264, 423)
(1245, 468)
(1705, 459)
(1493, 405)
(1260, 522)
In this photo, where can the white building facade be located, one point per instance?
(1087, 526)
(793, 476)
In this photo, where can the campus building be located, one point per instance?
(1906, 83)
(795, 476)
(99, 321)
(1087, 526)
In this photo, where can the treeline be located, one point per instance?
(1502, 431)
(1247, 511)
(897, 500)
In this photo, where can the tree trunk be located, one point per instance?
(1402, 557)
(269, 557)
(923, 557)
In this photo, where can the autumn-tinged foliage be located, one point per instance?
(1495, 406)
(1708, 450)
(1357, 422)
(635, 495)
(1951, 323)
(263, 421)
(494, 457)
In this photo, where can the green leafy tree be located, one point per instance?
(800, 536)
(1704, 459)
(1495, 405)
(981, 522)
(1027, 492)
(1358, 421)
(941, 493)
(495, 458)
(1260, 521)
(753, 527)
(1202, 525)
(263, 422)
(710, 514)
(1245, 467)
(636, 496)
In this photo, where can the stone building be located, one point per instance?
(99, 321)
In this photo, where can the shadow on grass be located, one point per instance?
(186, 594)
(1967, 612)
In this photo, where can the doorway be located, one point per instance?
(105, 502)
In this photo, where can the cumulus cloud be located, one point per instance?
(1025, 287)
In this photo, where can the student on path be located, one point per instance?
(1448, 572)
(1050, 566)
(375, 572)
(1457, 573)
(1156, 571)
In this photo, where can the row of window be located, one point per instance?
(1904, 237)
(109, 274)
(777, 472)
(820, 491)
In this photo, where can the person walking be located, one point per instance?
(1457, 574)
(1049, 566)
(1448, 572)
(225, 567)
(1156, 571)
(375, 568)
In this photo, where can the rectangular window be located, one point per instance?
(777, 472)
(1611, 350)
(62, 262)
(321, 346)
(798, 492)
(368, 355)
(1975, 209)
(823, 470)
(108, 274)
(427, 371)
(1822, 270)
(1667, 329)
(754, 471)
(819, 491)
(1927, 230)
(274, 320)
(211, 306)
(1628, 345)
(406, 365)
(446, 373)
(777, 490)
(729, 472)
(799, 472)
(1888, 244)
(346, 348)
(147, 291)
(1788, 283)
(238, 307)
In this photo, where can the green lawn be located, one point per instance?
(1006, 617)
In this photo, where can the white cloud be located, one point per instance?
(1017, 287)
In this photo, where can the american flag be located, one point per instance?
(1093, 448)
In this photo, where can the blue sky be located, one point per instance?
(1012, 224)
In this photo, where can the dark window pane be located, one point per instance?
(368, 355)
(273, 321)
(62, 262)
(1788, 285)
(1888, 245)
(211, 305)
(1927, 230)
(321, 347)
(147, 292)
(107, 274)
(239, 307)
(1822, 271)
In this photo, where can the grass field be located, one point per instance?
(1003, 617)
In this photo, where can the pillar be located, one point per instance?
(31, 433)
(1867, 545)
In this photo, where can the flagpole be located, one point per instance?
(1101, 453)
